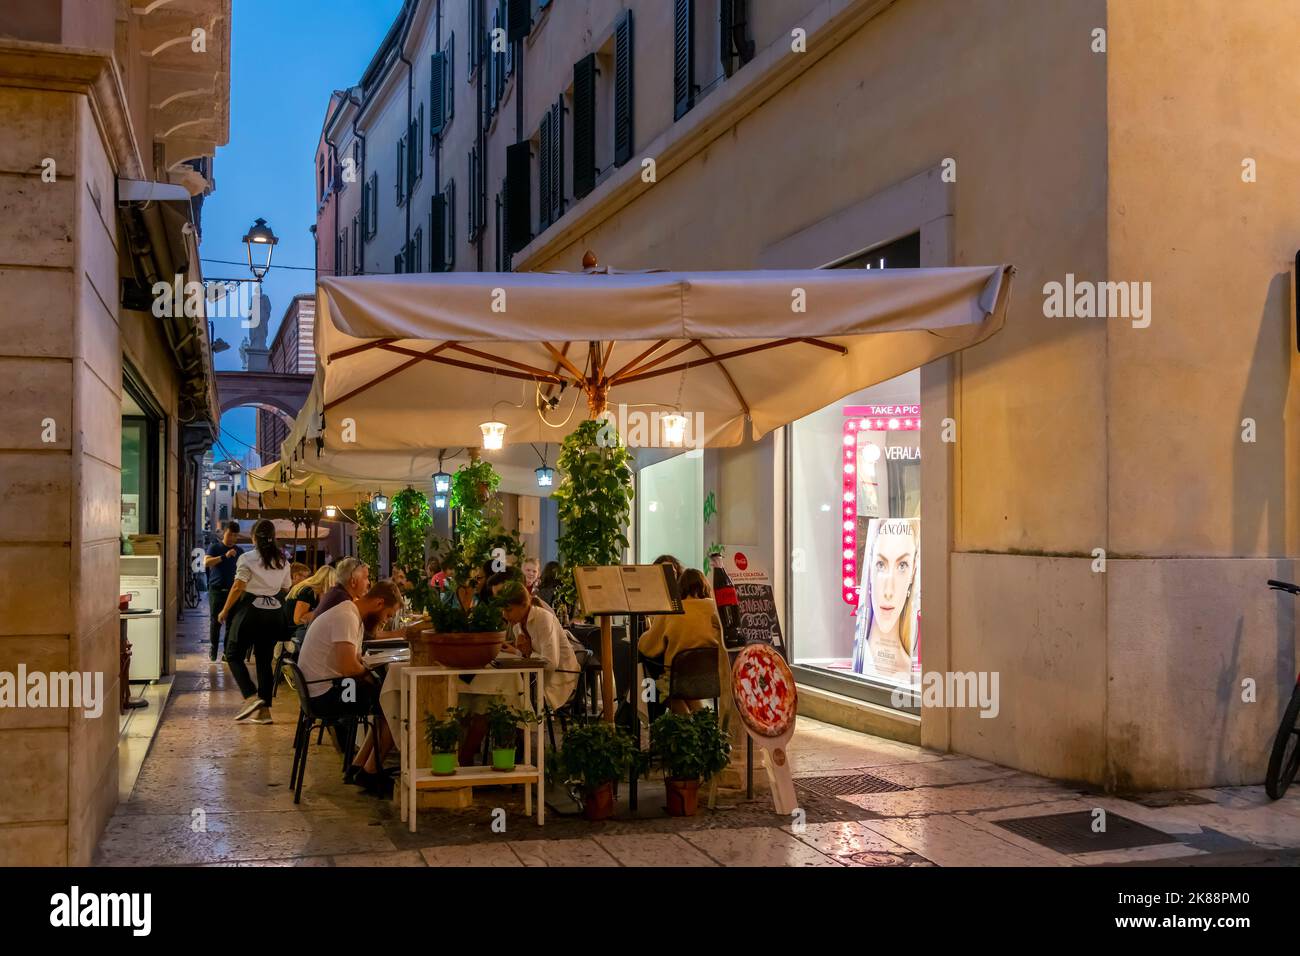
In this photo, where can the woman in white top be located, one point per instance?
(534, 632)
(256, 606)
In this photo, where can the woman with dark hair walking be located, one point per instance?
(256, 608)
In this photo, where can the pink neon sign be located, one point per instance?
(862, 418)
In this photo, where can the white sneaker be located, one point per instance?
(261, 715)
(250, 704)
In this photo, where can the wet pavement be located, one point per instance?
(215, 792)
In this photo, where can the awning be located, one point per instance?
(410, 363)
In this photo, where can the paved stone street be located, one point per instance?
(933, 809)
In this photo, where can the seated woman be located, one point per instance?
(303, 599)
(533, 632)
(670, 634)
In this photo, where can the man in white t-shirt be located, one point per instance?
(331, 651)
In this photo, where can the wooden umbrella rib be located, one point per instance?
(629, 375)
(539, 372)
(711, 359)
(354, 350)
(727, 375)
(826, 345)
(384, 344)
(563, 359)
(474, 366)
(558, 366)
(632, 364)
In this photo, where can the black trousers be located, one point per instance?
(261, 629)
(216, 601)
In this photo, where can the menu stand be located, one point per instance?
(632, 590)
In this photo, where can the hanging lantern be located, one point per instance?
(331, 511)
(379, 504)
(439, 501)
(441, 483)
(674, 429)
(545, 476)
(494, 435)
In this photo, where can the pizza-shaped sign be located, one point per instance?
(763, 689)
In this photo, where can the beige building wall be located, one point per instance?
(65, 336)
(1076, 437)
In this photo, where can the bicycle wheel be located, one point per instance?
(1285, 758)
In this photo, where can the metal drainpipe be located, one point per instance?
(334, 164)
(437, 149)
(480, 140)
(410, 155)
(357, 134)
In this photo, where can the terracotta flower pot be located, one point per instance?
(455, 649)
(598, 802)
(683, 797)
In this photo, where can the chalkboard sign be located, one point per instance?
(759, 622)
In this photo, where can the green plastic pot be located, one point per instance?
(503, 758)
(444, 765)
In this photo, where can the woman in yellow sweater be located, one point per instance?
(698, 626)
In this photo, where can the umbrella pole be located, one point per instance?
(607, 668)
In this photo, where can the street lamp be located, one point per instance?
(260, 236)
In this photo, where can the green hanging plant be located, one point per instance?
(593, 501)
(368, 526)
(479, 536)
(411, 522)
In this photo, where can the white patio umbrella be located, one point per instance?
(408, 364)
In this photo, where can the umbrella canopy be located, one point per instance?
(410, 363)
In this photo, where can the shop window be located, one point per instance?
(141, 459)
(854, 474)
(670, 510)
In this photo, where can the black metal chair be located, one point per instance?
(309, 720)
(288, 655)
(694, 675)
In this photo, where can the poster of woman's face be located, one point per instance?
(887, 633)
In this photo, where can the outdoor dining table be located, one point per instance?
(414, 778)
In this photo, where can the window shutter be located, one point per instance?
(374, 203)
(519, 19)
(623, 90)
(544, 173)
(519, 201)
(450, 193)
(400, 178)
(584, 126)
(365, 205)
(557, 160)
(473, 204)
(475, 34)
(397, 264)
(449, 96)
(437, 94)
(356, 245)
(438, 233)
(683, 57)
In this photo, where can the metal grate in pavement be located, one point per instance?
(844, 785)
(1073, 832)
(1170, 798)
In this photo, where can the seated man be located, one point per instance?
(338, 683)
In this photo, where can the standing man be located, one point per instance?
(220, 562)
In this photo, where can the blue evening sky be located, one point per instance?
(287, 56)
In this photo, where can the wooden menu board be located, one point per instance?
(628, 589)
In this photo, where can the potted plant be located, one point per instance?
(461, 638)
(503, 729)
(591, 757)
(593, 502)
(691, 748)
(444, 738)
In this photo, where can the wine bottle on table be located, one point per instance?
(724, 595)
